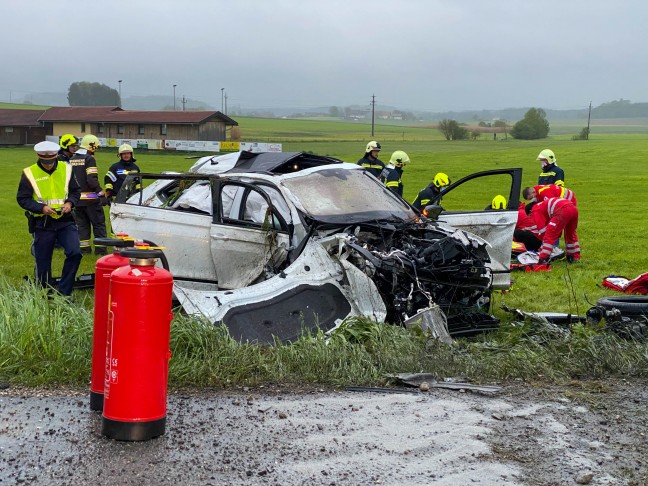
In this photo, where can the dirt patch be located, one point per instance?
(591, 432)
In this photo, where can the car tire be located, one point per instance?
(636, 305)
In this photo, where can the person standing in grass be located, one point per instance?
(69, 145)
(551, 173)
(89, 213)
(432, 191)
(48, 192)
(370, 160)
(119, 170)
(392, 174)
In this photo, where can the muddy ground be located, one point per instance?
(582, 433)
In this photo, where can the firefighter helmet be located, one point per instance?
(125, 148)
(371, 146)
(68, 140)
(90, 142)
(547, 155)
(399, 158)
(46, 150)
(441, 180)
(499, 202)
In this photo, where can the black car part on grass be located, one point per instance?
(626, 316)
(416, 265)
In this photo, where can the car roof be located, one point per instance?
(263, 162)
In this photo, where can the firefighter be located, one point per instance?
(432, 191)
(551, 217)
(48, 192)
(551, 173)
(69, 145)
(119, 170)
(370, 160)
(497, 204)
(540, 193)
(89, 214)
(392, 174)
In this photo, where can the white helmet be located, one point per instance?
(547, 155)
(399, 158)
(125, 148)
(371, 146)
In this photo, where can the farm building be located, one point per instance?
(113, 122)
(21, 127)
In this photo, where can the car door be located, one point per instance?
(250, 233)
(467, 204)
(173, 211)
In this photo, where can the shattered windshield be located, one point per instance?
(339, 195)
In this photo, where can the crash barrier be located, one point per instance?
(185, 145)
(103, 268)
(138, 353)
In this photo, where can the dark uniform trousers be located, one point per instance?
(90, 219)
(47, 232)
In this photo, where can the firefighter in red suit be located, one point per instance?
(540, 193)
(553, 216)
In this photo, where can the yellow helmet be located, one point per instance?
(90, 142)
(371, 146)
(125, 148)
(547, 155)
(441, 180)
(68, 140)
(499, 202)
(399, 158)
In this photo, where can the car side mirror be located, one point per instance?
(432, 211)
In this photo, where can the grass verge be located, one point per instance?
(48, 342)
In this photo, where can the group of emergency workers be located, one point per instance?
(551, 210)
(63, 201)
(392, 174)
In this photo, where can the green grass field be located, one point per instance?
(608, 174)
(49, 341)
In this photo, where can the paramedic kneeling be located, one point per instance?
(551, 217)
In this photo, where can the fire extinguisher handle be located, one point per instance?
(118, 242)
(142, 254)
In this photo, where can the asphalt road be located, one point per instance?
(272, 435)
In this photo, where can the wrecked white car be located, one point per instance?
(270, 244)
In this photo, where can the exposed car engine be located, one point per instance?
(417, 264)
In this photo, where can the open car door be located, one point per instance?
(467, 205)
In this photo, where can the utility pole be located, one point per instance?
(373, 111)
(120, 101)
(174, 106)
(589, 116)
(184, 102)
(222, 100)
(226, 103)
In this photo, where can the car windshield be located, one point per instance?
(341, 196)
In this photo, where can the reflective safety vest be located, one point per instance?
(50, 189)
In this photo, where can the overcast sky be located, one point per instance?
(431, 55)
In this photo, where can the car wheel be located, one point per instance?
(636, 305)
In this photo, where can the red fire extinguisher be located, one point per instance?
(103, 268)
(139, 327)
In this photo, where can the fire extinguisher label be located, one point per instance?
(114, 377)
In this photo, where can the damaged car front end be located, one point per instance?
(270, 245)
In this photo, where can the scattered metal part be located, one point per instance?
(418, 379)
(374, 389)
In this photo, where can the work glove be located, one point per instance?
(104, 201)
